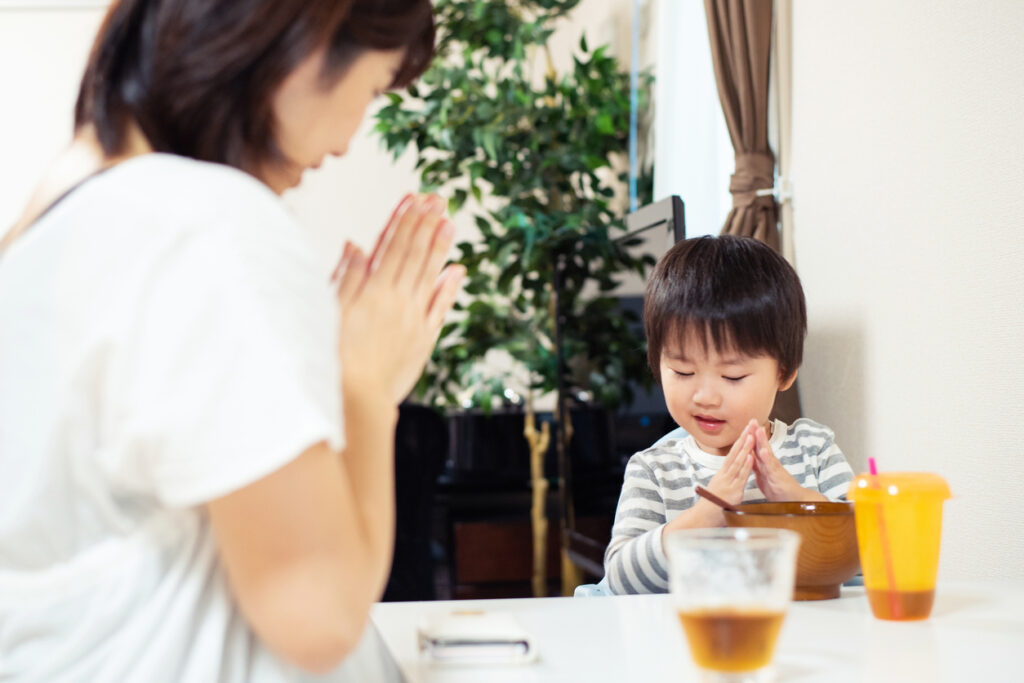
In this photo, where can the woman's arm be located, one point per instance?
(307, 549)
(303, 565)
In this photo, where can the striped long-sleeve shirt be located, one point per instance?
(660, 483)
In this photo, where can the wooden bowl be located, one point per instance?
(828, 554)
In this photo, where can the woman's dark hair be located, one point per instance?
(735, 292)
(199, 76)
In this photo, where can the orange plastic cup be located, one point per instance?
(899, 527)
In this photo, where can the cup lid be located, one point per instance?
(885, 485)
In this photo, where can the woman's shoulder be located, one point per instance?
(161, 217)
(180, 184)
(177, 200)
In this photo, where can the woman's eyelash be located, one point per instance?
(683, 374)
(734, 379)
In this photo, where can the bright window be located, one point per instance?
(693, 155)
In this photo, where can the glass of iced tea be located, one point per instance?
(731, 588)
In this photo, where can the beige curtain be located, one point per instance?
(740, 33)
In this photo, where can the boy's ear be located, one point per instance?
(787, 382)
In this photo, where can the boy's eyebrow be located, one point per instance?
(681, 356)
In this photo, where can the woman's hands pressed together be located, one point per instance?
(394, 300)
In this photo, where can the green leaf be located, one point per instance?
(490, 144)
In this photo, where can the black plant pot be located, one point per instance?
(421, 442)
(493, 446)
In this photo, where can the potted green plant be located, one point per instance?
(538, 151)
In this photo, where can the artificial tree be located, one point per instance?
(539, 151)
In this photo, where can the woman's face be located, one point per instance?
(315, 119)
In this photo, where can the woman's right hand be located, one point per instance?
(394, 300)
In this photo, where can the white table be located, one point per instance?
(975, 634)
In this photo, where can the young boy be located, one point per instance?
(725, 320)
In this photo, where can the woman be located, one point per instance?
(196, 432)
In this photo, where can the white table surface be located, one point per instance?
(975, 634)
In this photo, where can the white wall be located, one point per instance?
(42, 55)
(908, 169)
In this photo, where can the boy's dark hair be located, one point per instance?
(734, 292)
(198, 76)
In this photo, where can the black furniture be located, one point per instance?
(421, 446)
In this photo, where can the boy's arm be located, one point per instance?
(635, 561)
(703, 515)
(834, 472)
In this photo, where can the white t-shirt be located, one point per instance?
(165, 338)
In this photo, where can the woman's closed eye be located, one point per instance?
(683, 374)
(734, 379)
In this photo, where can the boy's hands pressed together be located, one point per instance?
(729, 482)
(773, 479)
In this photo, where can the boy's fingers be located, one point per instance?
(748, 465)
(737, 446)
(758, 448)
(739, 461)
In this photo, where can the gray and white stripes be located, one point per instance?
(659, 484)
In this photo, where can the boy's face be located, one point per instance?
(713, 393)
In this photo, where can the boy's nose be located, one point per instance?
(706, 396)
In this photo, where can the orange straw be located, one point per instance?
(894, 604)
